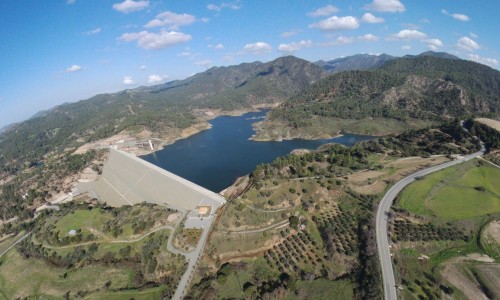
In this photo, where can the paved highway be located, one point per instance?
(381, 225)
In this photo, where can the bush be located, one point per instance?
(294, 222)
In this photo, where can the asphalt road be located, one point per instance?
(193, 258)
(381, 222)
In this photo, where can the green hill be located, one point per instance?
(423, 87)
(156, 108)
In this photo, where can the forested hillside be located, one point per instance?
(422, 87)
(355, 62)
(156, 108)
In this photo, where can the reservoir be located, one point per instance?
(216, 157)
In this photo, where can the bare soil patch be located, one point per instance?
(493, 230)
(490, 122)
(466, 285)
(365, 175)
(456, 272)
(374, 188)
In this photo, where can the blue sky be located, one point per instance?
(59, 51)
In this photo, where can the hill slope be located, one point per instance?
(156, 108)
(354, 62)
(422, 87)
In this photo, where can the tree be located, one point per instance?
(294, 222)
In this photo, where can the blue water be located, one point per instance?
(215, 158)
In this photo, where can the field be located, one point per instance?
(490, 122)
(21, 277)
(442, 226)
(469, 189)
(116, 254)
(304, 229)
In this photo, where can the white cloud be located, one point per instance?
(406, 47)
(323, 11)
(433, 44)
(472, 34)
(369, 18)
(185, 53)
(467, 44)
(411, 26)
(386, 6)
(408, 34)
(130, 6)
(369, 37)
(257, 48)
(156, 78)
(143, 67)
(290, 33)
(204, 63)
(172, 20)
(293, 47)
(93, 31)
(74, 68)
(336, 23)
(70, 1)
(460, 17)
(216, 47)
(342, 40)
(154, 41)
(128, 80)
(233, 6)
(483, 60)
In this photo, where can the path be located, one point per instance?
(267, 210)
(106, 241)
(381, 222)
(15, 243)
(272, 226)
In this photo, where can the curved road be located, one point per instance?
(381, 222)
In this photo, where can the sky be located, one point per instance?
(58, 51)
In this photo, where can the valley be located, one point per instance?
(295, 225)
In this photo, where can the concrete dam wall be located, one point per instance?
(129, 180)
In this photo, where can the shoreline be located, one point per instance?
(127, 141)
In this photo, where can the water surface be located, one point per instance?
(214, 158)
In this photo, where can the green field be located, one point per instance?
(323, 289)
(466, 197)
(21, 277)
(82, 219)
(149, 294)
(451, 194)
(109, 266)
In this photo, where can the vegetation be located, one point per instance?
(405, 230)
(331, 235)
(94, 260)
(489, 136)
(455, 187)
(157, 108)
(439, 219)
(40, 181)
(424, 87)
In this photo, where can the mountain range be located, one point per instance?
(426, 86)
(422, 87)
